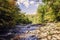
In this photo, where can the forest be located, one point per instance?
(11, 15)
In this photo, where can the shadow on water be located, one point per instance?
(18, 30)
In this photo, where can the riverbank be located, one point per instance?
(50, 31)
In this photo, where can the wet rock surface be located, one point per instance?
(47, 32)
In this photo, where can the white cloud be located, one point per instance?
(21, 1)
(25, 2)
(31, 2)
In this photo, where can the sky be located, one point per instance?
(29, 6)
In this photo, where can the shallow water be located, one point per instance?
(22, 30)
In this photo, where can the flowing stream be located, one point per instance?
(24, 31)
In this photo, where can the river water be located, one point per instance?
(24, 31)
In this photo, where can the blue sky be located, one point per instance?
(29, 6)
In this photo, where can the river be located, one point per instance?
(25, 32)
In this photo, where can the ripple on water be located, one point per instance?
(22, 30)
(33, 37)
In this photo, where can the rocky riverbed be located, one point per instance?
(50, 31)
(47, 32)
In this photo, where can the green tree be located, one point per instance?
(8, 13)
(50, 11)
(55, 6)
(23, 19)
(41, 12)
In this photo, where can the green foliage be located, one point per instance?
(23, 19)
(10, 15)
(50, 11)
(7, 14)
(41, 12)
